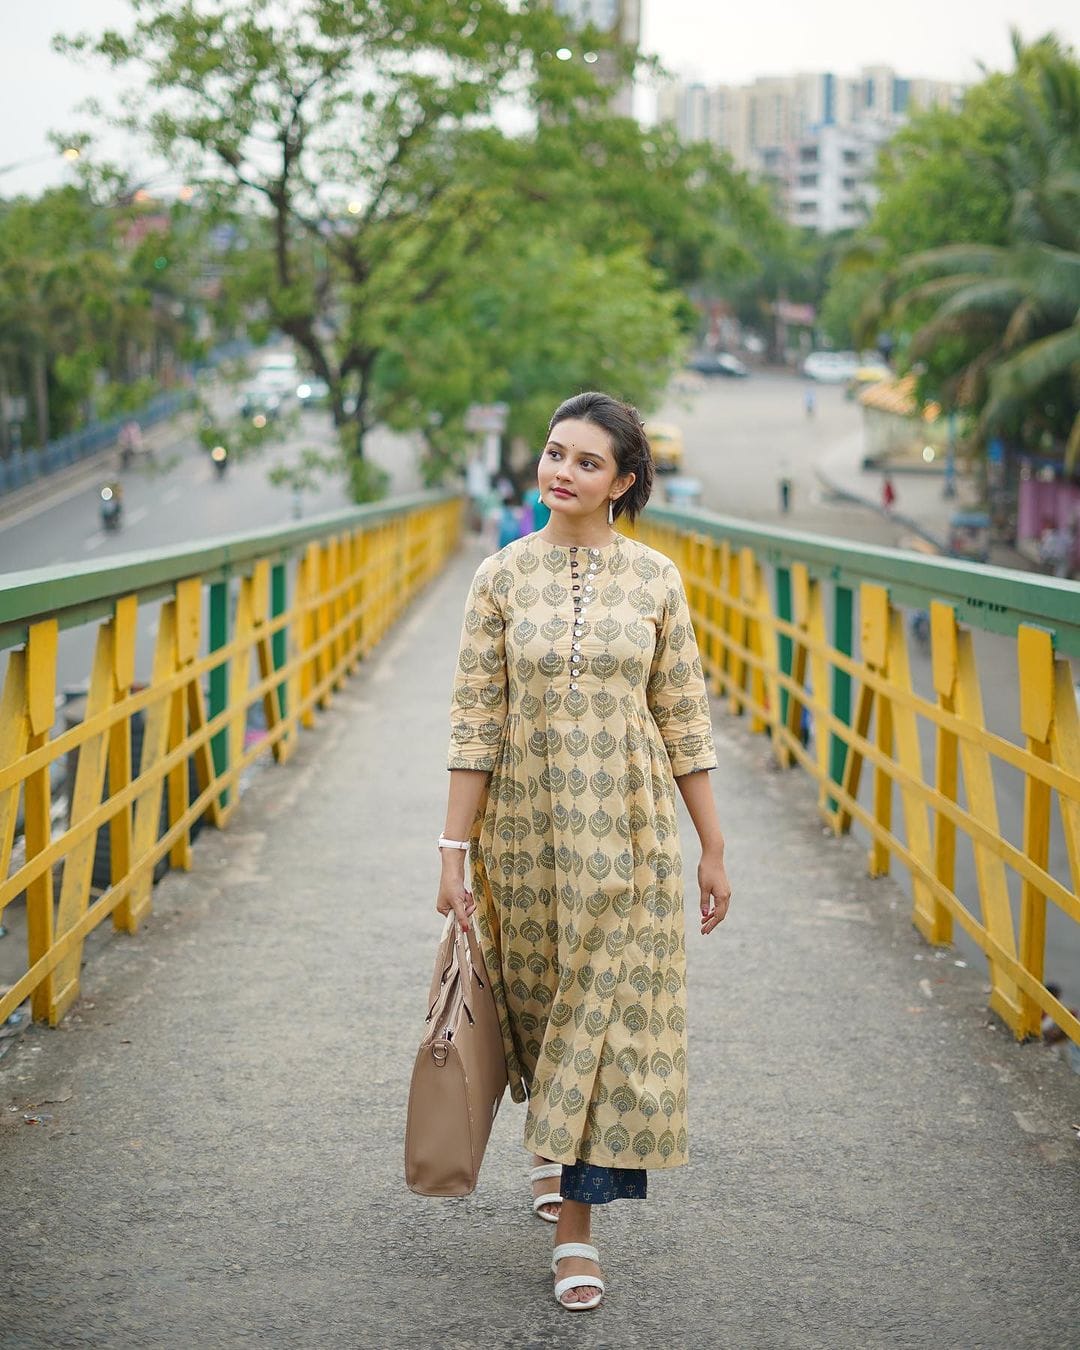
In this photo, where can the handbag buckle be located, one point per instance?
(440, 1052)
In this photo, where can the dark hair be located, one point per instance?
(628, 442)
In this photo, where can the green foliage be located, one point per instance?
(568, 320)
(367, 481)
(941, 178)
(993, 316)
(81, 297)
(421, 258)
(307, 472)
(116, 398)
(846, 303)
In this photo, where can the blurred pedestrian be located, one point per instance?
(785, 495)
(130, 442)
(509, 522)
(809, 402)
(888, 495)
(539, 513)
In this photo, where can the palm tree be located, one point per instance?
(1010, 315)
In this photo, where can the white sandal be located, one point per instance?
(543, 1173)
(568, 1282)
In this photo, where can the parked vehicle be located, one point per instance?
(719, 363)
(666, 442)
(831, 367)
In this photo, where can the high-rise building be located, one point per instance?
(814, 136)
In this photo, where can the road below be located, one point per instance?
(179, 499)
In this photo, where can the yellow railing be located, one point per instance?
(302, 605)
(776, 615)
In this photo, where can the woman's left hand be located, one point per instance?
(715, 891)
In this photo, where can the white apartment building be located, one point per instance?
(814, 136)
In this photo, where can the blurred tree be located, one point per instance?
(57, 287)
(364, 136)
(995, 321)
(525, 325)
(83, 299)
(346, 122)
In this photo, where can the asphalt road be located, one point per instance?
(177, 499)
(180, 499)
(742, 436)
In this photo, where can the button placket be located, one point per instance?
(579, 607)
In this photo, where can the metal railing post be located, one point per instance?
(783, 611)
(219, 678)
(279, 644)
(843, 611)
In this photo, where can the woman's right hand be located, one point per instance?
(455, 896)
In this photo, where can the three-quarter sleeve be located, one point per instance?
(677, 695)
(478, 707)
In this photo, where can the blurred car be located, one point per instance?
(719, 363)
(313, 393)
(666, 442)
(831, 367)
(277, 373)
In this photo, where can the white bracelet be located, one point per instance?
(463, 844)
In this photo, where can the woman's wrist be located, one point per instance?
(713, 847)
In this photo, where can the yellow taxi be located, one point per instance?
(666, 441)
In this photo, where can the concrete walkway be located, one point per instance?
(219, 1158)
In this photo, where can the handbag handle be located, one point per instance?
(465, 957)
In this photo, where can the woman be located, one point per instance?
(578, 700)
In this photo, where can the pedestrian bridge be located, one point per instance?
(207, 1148)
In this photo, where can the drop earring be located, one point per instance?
(611, 511)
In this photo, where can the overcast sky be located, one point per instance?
(705, 38)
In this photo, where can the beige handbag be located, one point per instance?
(460, 1072)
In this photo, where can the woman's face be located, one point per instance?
(577, 473)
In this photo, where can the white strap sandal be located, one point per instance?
(544, 1173)
(568, 1282)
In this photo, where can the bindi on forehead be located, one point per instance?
(597, 451)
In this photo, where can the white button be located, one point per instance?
(573, 687)
(577, 646)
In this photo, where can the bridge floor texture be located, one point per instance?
(873, 1164)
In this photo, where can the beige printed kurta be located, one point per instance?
(576, 867)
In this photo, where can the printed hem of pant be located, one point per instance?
(590, 1184)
